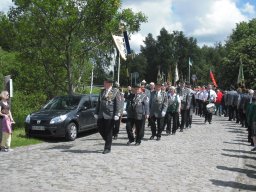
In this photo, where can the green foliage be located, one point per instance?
(24, 103)
(19, 138)
(166, 51)
(60, 38)
(241, 47)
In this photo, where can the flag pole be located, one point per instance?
(118, 70)
(189, 73)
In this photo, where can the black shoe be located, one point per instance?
(254, 149)
(173, 133)
(181, 130)
(168, 132)
(129, 142)
(106, 151)
(137, 144)
(152, 137)
(158, 138)
(210, 122)
(115, 137)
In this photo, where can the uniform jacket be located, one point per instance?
(157, 104)
(173, 103)
(138, 106)
(109, 104)
(185, 98)
(231, 96)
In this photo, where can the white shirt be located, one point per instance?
(201, 95)
(213, 95)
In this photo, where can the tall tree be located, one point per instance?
(62, 36)
(241, 47)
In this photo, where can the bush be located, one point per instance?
(23, 104)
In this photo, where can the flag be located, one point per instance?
(240, 78)
(189, 62)
(176, 77)
(213, 79)
(119, 42)
(127, 44)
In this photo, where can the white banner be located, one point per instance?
(120, 44)
(176, 77)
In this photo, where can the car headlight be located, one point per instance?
(27, 120)
(58, 119)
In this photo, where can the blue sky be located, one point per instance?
(209, 21)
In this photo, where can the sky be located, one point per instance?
(209, 21)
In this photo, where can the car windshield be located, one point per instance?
(63, 103)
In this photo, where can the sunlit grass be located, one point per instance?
(19, 139)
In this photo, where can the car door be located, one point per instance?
(86, 112)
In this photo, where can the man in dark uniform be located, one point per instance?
(185, 104)
(158, 106)
(173, 111)
(137, 113)
(107, 111)
(117, 122)
(148, 93)
(230, 103)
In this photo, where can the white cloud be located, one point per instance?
(5, 5)
(249, 8)
(209, 21)
(218, 22)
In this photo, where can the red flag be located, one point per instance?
(213, 79)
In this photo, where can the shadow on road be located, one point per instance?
(250, 173)
(235, 185)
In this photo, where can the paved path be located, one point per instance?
(213, 157)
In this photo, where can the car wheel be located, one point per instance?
(71, 133)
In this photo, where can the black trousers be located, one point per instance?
(172, 122)
(184, 118)
(201, 107)
(105, 127)
(139, 129)
(116, 127)
(231, 113)
(156, 129)
(208, 116)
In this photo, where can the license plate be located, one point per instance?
(38, 128)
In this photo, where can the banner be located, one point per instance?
(176, 77)
(213, 79)
(127, 44)
(240, 78)
(119, 42)
(189, 62)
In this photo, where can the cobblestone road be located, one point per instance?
(207, 157)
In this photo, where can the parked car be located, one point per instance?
(63, 116)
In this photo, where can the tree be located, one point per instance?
(62, 36)
(241, 47)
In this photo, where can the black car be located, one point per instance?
(63, 116)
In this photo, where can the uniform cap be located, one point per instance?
(137, 85)
(108, 80)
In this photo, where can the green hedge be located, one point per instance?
(23, 104)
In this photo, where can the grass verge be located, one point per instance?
(19, 139)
